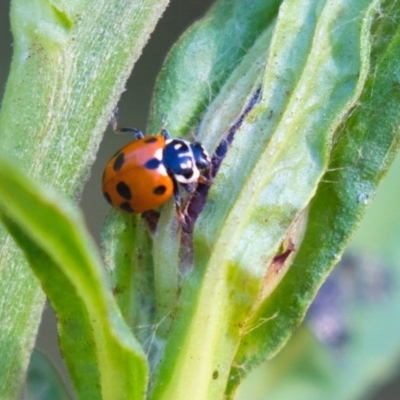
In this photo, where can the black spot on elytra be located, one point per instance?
(153, 163)
(119, 162)
(123, 190)
(107, 197)
(151, 139)
(126, 207)
(159, 190)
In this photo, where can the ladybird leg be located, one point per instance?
(190, 188)
(114, 122)
(178, 205)
(206, 181)
(177, 195)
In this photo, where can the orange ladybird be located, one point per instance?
(146, 172)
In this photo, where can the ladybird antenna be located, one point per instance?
(163, 121)
(163, 130)
(114, 122)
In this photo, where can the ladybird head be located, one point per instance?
(184, 160)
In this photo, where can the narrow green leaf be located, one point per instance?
(202, 60)
(167, 272)
(204, 57)
(70, 64)
(127, 250)
(364, 149)
(104, 359)
(316, 65)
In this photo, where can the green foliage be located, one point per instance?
(304, 94)
(97, 345)
(69, 67)
(354, 172)
(358, 345)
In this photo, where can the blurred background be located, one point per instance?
(366, 278)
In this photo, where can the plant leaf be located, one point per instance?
(316, 66)
(365, 147)
(348, 344)
(203, 59)
(104, 359)
(127, 249)
(70, 64)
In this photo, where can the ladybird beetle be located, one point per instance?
(146, 172)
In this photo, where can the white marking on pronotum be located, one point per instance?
(162, 170)
(186, 165)
(185, 155)
(158, 154)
